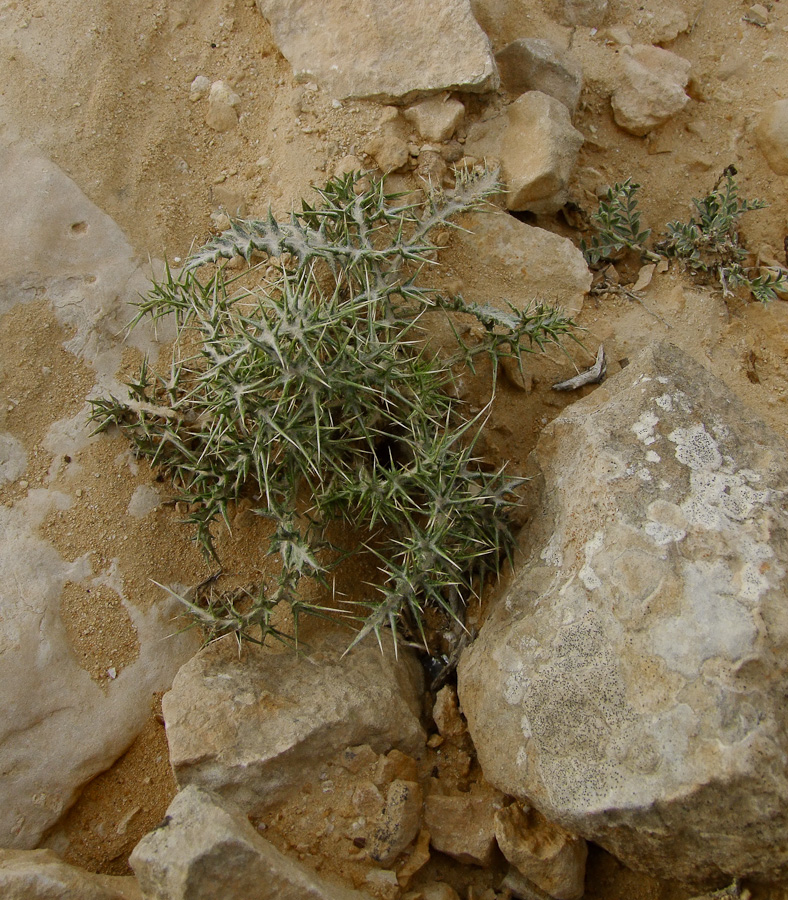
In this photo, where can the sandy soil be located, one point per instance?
(103, 90)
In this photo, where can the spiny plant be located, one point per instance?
(302, 382)
(708, 244)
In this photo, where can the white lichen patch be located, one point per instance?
(713, 623)
(644, 427)
(587, 575)
(653, 457)
(696, 448)
(665, 402)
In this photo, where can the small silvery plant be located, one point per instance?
(708, 244)
(300, 380)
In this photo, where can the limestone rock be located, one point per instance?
(551, 857)
(537, 147)
(389, 148)
(204, 850)
(434, 890)
(771, 135)
(463, 825)
(446, 713)
(251, 728)
(383, 51)
(42, 875)
(545, 265)
(399, 823)
(630, 684)
(651, 89)
(223, 105)
(534, 64)
(436, 118)
(590, 13)
(59, 728)
(662, 23)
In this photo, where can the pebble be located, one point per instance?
(758, 14)
(223, 105)
(771, 136)
(199, 88)
(436, 118)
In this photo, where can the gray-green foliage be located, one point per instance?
(302, 382)
(617, 223)
(709, 243)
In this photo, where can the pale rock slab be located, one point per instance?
(551, 857)
(651, 88)
(436, 118)
(630, 683)
(771, 135)
(42, 875)
(59, 728)
(535, 64)
(537, 147)
(390, 52)
(204, 851)
(462, 825)
(253, 728)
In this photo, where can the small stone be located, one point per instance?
(432, 167)
(771, 135)
(388, 148)
(446, 713)
(548, 855)
(399, 823)
(436, 118)
(434, 890)
(651, 90)
(346, 165)
(223, 105)
(463, 825)
(199, 88)
(354, 759)
(590, 13)
(537, 147)
(758, 14)
(533, 64)
(396, 764)
(417, 859)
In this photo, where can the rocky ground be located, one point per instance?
(130, 132)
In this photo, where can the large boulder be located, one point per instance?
(204, 850)
(391, 52)
(631, 682)
(254, 727)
